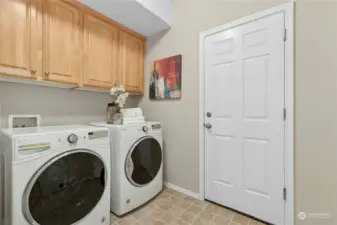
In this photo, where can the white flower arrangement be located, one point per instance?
(120, 96)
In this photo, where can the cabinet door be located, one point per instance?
(20, 38)
(100, 53)
(62, 40)
(131, 63)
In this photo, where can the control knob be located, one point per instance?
(72, 139)
(145, 129)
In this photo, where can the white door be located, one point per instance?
(244, 83)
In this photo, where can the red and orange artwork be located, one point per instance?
(165, 78)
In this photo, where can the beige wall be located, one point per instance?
(56, 106)
(316, 96)
(316, 110)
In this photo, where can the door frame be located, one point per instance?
(288, 9)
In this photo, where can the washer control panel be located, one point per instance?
(35, 145)
(145, 129)
(73, 139)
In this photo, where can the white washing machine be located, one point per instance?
(55, 175)
(136, 164)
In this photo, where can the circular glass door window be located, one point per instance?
(65, 190)
(143, 161)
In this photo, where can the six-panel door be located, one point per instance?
(244, 81)
(100, 53)
(20, 39)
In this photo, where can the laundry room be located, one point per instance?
(168, 112)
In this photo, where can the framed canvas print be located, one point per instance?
(165, 78)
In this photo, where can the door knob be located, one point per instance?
(208, 114)
(208, 126)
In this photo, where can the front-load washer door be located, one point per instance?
(65, 189)
(143, 161)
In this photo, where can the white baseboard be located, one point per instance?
(182, 190)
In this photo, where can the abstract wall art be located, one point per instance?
(165, 78)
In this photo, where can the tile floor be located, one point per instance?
(174, 208)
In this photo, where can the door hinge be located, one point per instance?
(285, 35)
(284, 113)
(284, 194)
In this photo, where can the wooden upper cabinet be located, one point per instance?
(62, 42)
(131, 63)
(20, 38)
(100, 53)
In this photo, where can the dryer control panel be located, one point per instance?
(151, 127)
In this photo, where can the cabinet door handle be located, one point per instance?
(33, 71)
(47, 73)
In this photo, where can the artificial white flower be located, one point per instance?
(121, 88)
(113, 91)
(120, 96)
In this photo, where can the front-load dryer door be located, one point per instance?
(143, 161)
(65, 189)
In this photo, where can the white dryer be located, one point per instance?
(136, 164)
(56, 175)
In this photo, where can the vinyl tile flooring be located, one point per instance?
(174, 208)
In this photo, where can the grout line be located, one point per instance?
(156, 207)
(177, 217)
(198, 214)
(168, 198)
(229, 219)
(149, 210)
(233, 217)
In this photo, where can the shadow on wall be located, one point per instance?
(133, 101)
(164, 157)
(56, 106)
(156, 39)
